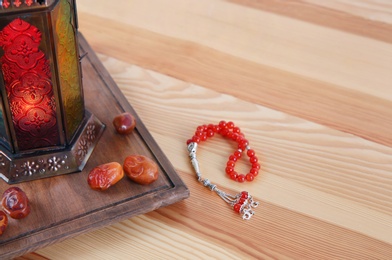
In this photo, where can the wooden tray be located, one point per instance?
(65, 206)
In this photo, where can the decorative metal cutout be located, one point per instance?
(14, 170)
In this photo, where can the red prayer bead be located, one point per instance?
(250, 152)
(254, 171)
(234, 137)
(236, 130)
(222, 124)
(241, 201)
(256, 166)
(234, 176)
(253, 159)
(233, 158)
(249, 177)
(243, 144)
(241, 178)
(196, 139)
(224, 131)
(199, 133)
(230, 163)
(237, 207)
(229, 170)
(229, 130)
(237, 154)
(244, 194)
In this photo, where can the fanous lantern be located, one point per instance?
(44, 127)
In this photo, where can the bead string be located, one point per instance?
(242, 202)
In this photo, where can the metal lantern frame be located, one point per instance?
(44, 128)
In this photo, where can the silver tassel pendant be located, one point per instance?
(241, 203)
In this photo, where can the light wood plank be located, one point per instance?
(322, 102)
(328, 181)
(261, 37)
(307, 81)
(303, 152)
(371, 10)
(277, 233)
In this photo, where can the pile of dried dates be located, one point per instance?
(138, 168)
(14, 203)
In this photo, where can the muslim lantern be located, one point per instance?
(44, 127)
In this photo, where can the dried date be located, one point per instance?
(124, 123)
(3, 222)
(141, 169)
(104, 176)
(15, 203)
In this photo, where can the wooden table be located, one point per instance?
(309, 83)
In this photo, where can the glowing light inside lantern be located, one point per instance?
(27, 78)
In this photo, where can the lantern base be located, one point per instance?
(15, 168)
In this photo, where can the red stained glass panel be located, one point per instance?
(17, 3)
(6, 3)
(29, 2)
(27, 75)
